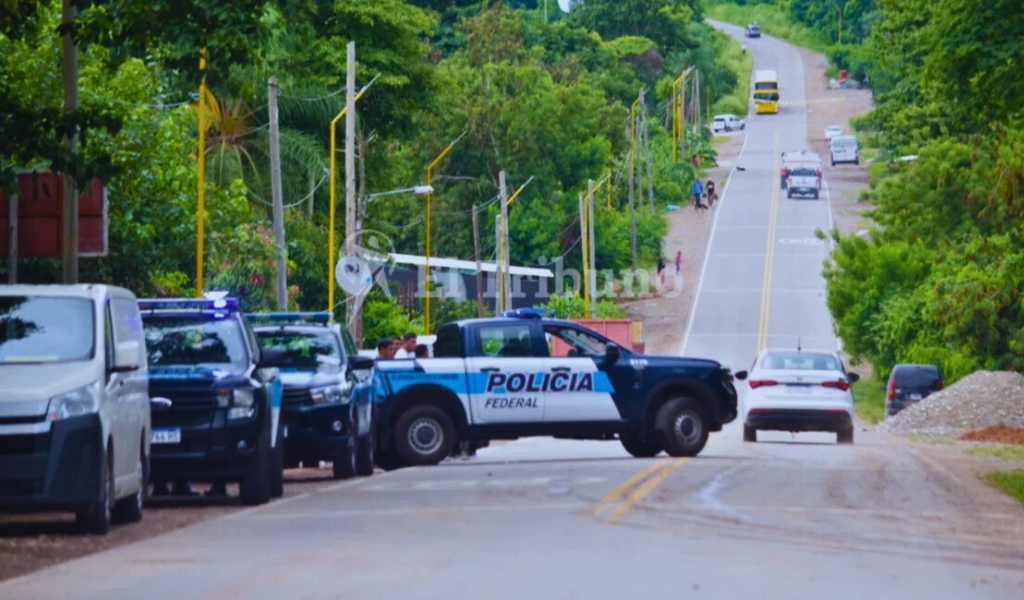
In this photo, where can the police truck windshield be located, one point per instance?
(194, 341)
(304, 351)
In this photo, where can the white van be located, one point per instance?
(845, 149)
(74, 403)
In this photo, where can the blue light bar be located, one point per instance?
(219, 304)
(291, 317)
(528, 313)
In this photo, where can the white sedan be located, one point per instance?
(798, 390)
(833, 131)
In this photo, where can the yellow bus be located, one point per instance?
(766, 92)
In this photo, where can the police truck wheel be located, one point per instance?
(344, 466)
(129, 510)
(277, 465)
(254, 489)
(95, 518)
(749, 434)
(365, 454)
(641, 448)
(424, 435)
(681, 427)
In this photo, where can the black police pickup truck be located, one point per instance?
(215, 397)
(329, 396)
(526, 375)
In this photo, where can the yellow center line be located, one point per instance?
(643, 490)
(620, 492)
(769, 258)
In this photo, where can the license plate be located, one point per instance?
(799, 389)
(915, 396)
(166, 436)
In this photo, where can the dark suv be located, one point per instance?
(329, 395)
(908, 384)
(216, 398)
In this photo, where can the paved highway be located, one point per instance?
(787, 518)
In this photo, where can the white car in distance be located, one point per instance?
(833, 131)
(798, 390)
(727, 122)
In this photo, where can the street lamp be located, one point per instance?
(419, 190)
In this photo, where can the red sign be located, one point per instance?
(39, 216)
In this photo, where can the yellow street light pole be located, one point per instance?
(430, 195)
(330, 228)
(676, 120)
(201, 192)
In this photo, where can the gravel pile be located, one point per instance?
(982, 399)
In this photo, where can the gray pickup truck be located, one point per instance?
(805, 181)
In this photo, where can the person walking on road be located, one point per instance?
(697, 190)
(661, 271)
(710, 192)
(679, 260)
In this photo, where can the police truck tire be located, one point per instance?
(277, 464)
(365, 453)
(749, 434)
(681, 427)
(641, 448)
(254, 489)
(424, 435)
(95, 518)
(344, 466)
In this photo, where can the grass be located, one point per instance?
(1007, 452)
(935, 441)
(868, 400)
(1011, 482)
(773, 23)
(733, 58)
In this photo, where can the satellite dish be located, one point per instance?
(565, 5)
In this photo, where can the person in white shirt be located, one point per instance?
(408, 349)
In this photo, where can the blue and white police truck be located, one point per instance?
(329, 396)
(497, 378)
(216, 397)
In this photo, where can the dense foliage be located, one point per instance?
(546, 99)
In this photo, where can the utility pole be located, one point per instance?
(69, 73)
(350, 167)
(479, 272)
(647, 152)
(506, 274)
(629, 134)
(275, 191)
(585, 251)
(361, 201)
(591, 253)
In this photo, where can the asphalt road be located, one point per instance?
(786, 518)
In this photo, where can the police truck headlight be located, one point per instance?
(330, 394)
(81, 401)
(243, 404)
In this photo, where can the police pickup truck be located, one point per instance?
(328, 406)
(525, 375)
(215, 397)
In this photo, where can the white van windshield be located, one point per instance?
(46, 329)
(844, 142)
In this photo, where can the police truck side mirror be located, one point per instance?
(611, 353)
(361, 363)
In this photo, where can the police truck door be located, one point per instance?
(579, 390)
(506, 373)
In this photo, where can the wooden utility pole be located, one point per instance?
(584, 250)
(499, 266)
(276, 197)
(479, 269)
(506, 275)
(591, 253)
(350, 169)
(647, 153)
(361, 201)
(69, 74)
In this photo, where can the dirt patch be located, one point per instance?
(29, 542)
(664, 316)
(1002, 434)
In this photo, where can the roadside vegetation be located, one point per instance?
(868, 400)
(547, 99)
(776, 23)
(1011, 482)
